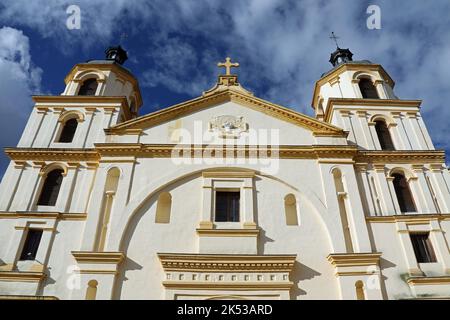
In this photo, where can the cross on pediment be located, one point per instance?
(228, 65)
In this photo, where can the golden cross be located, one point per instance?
(228, 65)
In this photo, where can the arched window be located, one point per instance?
(359, 286)
(384, 136)
(50, 189)
(88, 88)
(368, 90)
(403, 193)
(91, 291)
(163, 208)
(290, 209)
(68, 131)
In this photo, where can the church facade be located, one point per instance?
(225, 196)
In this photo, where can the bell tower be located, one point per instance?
(98, 94)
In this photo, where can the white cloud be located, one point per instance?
(283, 46)
(19, 78)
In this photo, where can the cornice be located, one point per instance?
(21, 276)
(284, 151)
(93, 257)
(401, 156)
(354, 259)
(191, 106)
(412, 218)
(43, 215)
(227, 232)
(226, 263)
(52, 154)
(367, 102)
(417, 281)
(81, 99)
(24, 297)
(245, 286)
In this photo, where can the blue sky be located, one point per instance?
(283, 48)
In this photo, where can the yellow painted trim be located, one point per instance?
(87, 271)
(367, 102)
(244, 286)
(52, 154)
(43, 215)
(411, 218)
(226, 263)
(417, 281)
(23, 297)
(247, 100)
(354, 259)
(228, 174)
(21, 276)
(401, 156)
(354, 273)
(98, 257)
(228, 232)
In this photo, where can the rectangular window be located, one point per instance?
(422, 247)
(31, 245)
(227, 206)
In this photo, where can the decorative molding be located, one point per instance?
(227, 232)
(411, 218)
(417, 281)
(43, 215)
(241, 286)
(226, 263)
(23, 297)
(21, 276)
(354, 259)
(52, 154)
(93, 257)
(247, 100)
(357, 102)
(401, 156)
(228, 174)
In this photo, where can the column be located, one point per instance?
(374, 135)
(363, 129)
(399, 134)
(379, 84)
(412, 133)
(106, 120)
(428, 203)
(66, 191)
(206, 214)
(85, 128)
(10, 183)
(419, 133)
(367, 193)
(360, 235)
(440, 187)
(390, 181)
(32, 128)
(247, 194)
(105, 215)
(385, 194)
(345, 115)
(402, 130)
(425, 133)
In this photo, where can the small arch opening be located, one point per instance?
(51, 187)
(384, 136)
(163, 208)
(290, 209)
(68, 131)
(88, 88)
(368, 90)
(403, 193)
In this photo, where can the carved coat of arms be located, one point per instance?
(228, 126)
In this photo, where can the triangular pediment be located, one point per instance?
(191, 106)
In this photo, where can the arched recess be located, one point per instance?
(87, 75)
(68, 121)
(290, 210)
(91, 290)
(163, 208)
(52, 176)
(111, 184)
(359, 288)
